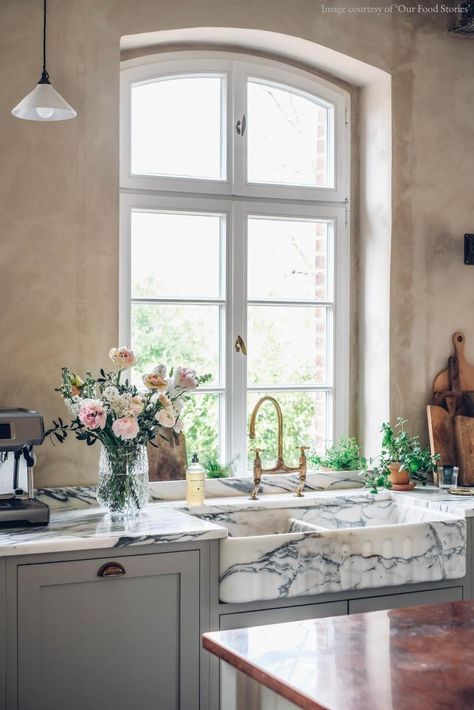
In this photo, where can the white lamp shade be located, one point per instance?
(44, 104)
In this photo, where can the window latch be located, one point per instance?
(240, 346)
(241, 125)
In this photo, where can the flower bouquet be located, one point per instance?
(124, 420)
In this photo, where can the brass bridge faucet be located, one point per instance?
(280, 466)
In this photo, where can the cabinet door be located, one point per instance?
(243, 620)
(398, 601)
(109, 643)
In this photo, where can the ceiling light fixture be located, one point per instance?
(44, 103)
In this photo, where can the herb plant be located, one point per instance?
(344, 456)
(398, 446)
(214, 469)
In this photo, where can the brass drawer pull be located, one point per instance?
(111, 569)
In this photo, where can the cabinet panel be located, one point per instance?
(276, 616)
(110, 643)
(397, 601)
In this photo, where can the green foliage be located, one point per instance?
(214, 469)
(344, 456)
(398, 446)
(377, 479)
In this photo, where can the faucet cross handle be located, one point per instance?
(257, 474)
(302, 454)
(301, 471)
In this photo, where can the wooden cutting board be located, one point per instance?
(464, 444)
(441, 432)
(465, 371)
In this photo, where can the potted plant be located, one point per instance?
(215, 469)
(402, 461)
(343, 456)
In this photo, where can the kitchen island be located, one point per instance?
(399, 659)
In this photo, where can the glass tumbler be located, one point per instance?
(447, 476)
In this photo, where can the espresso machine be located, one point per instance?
(20, 430)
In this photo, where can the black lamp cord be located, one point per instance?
(44, 76)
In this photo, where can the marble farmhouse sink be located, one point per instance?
(333, 544)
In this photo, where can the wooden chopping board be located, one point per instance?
(441, 432)
(464, 443)
(465, 370)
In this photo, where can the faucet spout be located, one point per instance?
(279, 464)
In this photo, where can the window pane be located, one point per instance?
(286, 345)
(304, 424)
(175, 255)
(177, 127)
(288, 137)
(201, 425)
(287, 259)
(176, 335)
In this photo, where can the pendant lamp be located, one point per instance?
(44, 103)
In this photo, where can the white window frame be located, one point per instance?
(235, 198)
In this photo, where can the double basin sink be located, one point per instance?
(307, 546)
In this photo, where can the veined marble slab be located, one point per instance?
(94, 529)
(73, 497)
(271, 484)
(335, 544)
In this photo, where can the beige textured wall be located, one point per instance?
(59, 187)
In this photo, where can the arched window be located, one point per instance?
(234, 176)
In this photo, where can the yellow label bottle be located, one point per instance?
(195, 477)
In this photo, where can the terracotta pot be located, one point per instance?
(398, 476)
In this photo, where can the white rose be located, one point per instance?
(73, 405)
(160, 370)
(110, 393)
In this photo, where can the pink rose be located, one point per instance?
(164, 400)
(125, 427)
(136, 405)
(92, 414)
(122, 357)
(185, 379)
(155, 381)
(166, 417)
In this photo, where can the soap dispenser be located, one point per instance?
(195, 477)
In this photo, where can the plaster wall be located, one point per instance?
(59, 189)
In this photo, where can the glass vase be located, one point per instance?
(123, 480)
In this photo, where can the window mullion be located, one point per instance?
(239, 140)
(237, 361)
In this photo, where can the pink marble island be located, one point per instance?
(403, 659)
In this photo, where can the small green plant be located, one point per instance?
(214, 469)
(398, 446)
(344, 456)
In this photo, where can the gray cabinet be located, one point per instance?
(277, 616)
(113, 642)
(398, 601)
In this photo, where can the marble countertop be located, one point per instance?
(80, 529)
(78, 524)
(401, 659)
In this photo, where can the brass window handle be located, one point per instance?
(111, 569)
(240, 346)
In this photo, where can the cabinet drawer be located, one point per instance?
(397, 601)
(127, 639)
(275, 616)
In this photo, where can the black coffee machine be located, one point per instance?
(20, 430)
